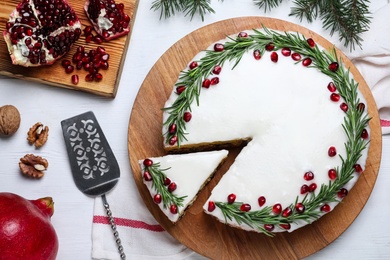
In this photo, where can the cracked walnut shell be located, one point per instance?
(9, 120)
(33, 166)
(38, 134)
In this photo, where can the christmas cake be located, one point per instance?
(296, 110)
(172, 185)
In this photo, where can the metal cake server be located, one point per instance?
(94, 167)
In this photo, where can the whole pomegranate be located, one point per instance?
(39, 32)
(25, 228)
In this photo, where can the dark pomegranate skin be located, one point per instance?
(26, 231)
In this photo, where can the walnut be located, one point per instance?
(33, 166)
(9, 120)
(38, 134)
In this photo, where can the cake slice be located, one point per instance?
(175, 180)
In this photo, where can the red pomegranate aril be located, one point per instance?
(147, 176)
(218, 47)
(285, 226)
(243, 35)
(206, 83)
(180, 89)
(304, 189)
(104, 65)
(101, 50)
(334, 97)
(69, 69)
(332, 87)
(257, 54)
(332, 174)
(269, 227)
(217, 69)
(287, 212)
(231, 198)
(89, 38)
(332, 151)
(214, 81)
(245, 207)
(187, 116)
(98, 77)
(167, 181)
(364, 134)
(325, 208)
(306, 62)
(277, 208)
(211, 206)
(173, 209)
(308, 176)
(157, 198)
(334, 66)
(147, 162)
(172, 187)
(296, 56)
(311, 42)
(358, 168)
(105, 57)
(173, 140)
(75, 79)
(286, 51)
(344, 107)
(261, 200)
(270, 46)
(300, 208)
(89, 77)
(193, 65)
(65, 63)
(274, 56)
(172, 129)
(312, 187)
(87, 30)
(361, 107)
(342, 193)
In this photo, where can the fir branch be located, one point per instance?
(197, 6)
(167, 7)
(267, 4)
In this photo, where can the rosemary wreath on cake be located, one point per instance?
(312, 206)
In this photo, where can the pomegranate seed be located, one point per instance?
(211, 207)
(206, 83)
(65, 63)
(167, 181)
(285, 226)
(98, 39)
(312, 187)
(274, 56)
(243, 34)
(325, 208)
(172, 129)
(261, 200)
(286, 51)
(89, 38)
(296, 56)
(344, 107)
(306, 62)
(193, 65)
(300, 208)
(173, 140)
(245, 207)
(269, 227)
(214, 81)
(342, 193)
(89, 77)
(69, 69)
(217, 69)
(218, 47)
(172, 187)
(311, 42)
(105, 57)
(147, 162)
(231, 198)
(270, 46)
(277, 209)
(257, 54)
(308, 176)
(157, 198)
(364, 134)
(104, 65)
(173, 209)
(334, 97)
(101, 50)
(287, 212)
(334, 66)
(98, 77)
(147, 176)
(75, 79)
(187, 116)
(80, 49)
(87, 30)
(332, 151)
(361, 107)
(331, 87)
(304, 189)
(358, 168)
(180, 89)
(332, 173)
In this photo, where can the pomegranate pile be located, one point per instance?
(39, 32)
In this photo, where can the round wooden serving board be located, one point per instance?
(201, 232)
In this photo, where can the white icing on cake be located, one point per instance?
(285, 110)
(190, 172)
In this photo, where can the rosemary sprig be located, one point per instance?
(355, 119)
(158, 177)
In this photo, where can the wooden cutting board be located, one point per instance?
(198, 230)
(55, 75)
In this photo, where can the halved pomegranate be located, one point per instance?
(108, 18)
(39, 32)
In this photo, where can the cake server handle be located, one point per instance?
(113, 227)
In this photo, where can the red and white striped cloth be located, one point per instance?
(143, 238)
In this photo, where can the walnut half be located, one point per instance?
(38, 134)
(33, 166)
